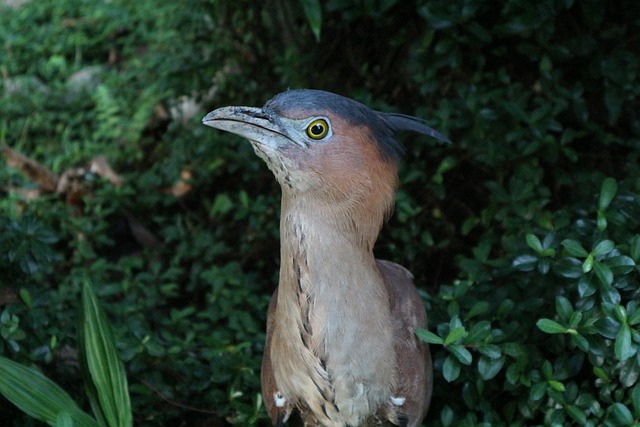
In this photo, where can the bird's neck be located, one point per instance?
(332, 301)
(333, 242)
(332, 256)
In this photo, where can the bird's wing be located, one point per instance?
(278, 414)
(415, 377)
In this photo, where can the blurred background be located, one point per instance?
(522, 235)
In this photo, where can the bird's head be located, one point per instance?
(324, 145)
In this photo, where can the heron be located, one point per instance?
(340, 348)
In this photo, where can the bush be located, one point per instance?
(551, 333)
(522, 235)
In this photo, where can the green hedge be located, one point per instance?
(523, 235)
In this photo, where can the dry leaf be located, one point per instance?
(41, 175)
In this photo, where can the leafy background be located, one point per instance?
(523, 235)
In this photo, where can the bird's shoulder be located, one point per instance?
(404, 300)
(414, 381)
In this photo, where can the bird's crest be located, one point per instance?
(383, 125)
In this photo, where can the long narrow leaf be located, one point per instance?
(64, 420)
(89, 386)
(104, 364)
(38, 396)
(313, 12)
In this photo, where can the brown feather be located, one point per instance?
(267, 379)
(415, 380)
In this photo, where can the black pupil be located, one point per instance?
(317, 129)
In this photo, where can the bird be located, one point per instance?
(340, 348)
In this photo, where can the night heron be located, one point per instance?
(341, 346)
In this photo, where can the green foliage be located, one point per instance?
(583, 368)
(523, 235)
(105, 379)
(28, 246)
(38, 396)
(104, 376)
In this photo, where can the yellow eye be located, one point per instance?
(318, 129)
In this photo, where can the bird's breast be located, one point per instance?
(332, 349)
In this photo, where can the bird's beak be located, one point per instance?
(255, 124)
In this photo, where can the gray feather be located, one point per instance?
(399, 122)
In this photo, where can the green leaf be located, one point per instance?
(38, 396)
(455, 321)
(515, 350)
(64, 420)
(456, 334)
(543, 266)
(25, 296)
(469, 394)
(609, 294)
(587, 286)
(453, 310)
(629, 372)
(635, 400)
(221, 205)
(513, 373)
(607, 327)
(429, 336)
(550, 326)
(620, 313)
(556, 385)
(634, 248)
(106, 370)
(633, 316)
(477, 309)
(446, 416)
(623, 348)
(581, 342)
(489, 368)
(603, 273)
(563, 307)
(577, 414)
(574, 248)
(575, 319)
(461, 353)
(534, 242)
(549, 252)
(451, 369)
(587, 265)
(469, 224)
(602, 221)
(492, 351)
(621, 414)
(525, 262)
(505, 307)
(603, 248)
(607, 193)
(569, 267)
(601, 373)
(313, 12)
(479, 332)
(538, 391)
(621, 264)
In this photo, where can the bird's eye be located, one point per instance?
(318, 129)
